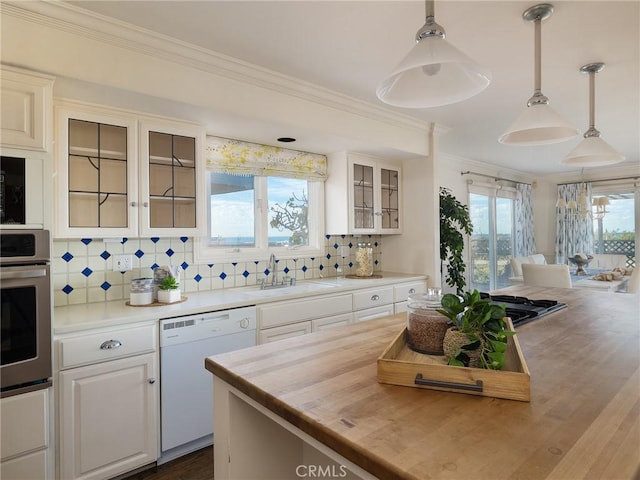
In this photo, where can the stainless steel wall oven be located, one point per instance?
(25, 311)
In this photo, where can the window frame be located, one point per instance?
(206, 253)
(492, 193)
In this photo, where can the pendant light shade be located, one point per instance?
(592, 151)
(539, 124)
(434, 72)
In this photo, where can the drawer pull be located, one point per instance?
(412, 290)
(152, 381)
(375, 297)
(110, 344)
(459, 386)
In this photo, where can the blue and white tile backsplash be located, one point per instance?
(82, 268)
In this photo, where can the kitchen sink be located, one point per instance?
(297, 288)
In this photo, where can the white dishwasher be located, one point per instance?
(186, 388)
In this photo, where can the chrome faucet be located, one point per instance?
(287, 281)
(273, 268)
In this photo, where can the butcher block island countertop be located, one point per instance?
(321, 390)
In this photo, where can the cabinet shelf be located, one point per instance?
(168, 198)
(174, 161)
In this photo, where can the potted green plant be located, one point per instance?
(478, 337)
(169, 290)
(454, 221)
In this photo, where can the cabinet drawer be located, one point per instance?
(329, 322)
(373, 313)
(25, 423)
(402, 292)
(372, 298)
(93, 348)
(29, 466)
(284, 331)
(283, 313)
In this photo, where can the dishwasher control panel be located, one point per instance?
(205, 325)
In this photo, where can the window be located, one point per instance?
(615, 231)
(492, 241)
(251, 216)
(262, 200)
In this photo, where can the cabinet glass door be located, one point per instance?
(363, 196)
(389, 198)
(172, 181)
(97, 170)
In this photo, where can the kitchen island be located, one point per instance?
(312, 407)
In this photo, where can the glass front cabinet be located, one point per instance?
(370, 188)
(119, 176)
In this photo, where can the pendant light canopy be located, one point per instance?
(592, 151)
(434, 72)
(539, 124)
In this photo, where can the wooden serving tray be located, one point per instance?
(399, 365)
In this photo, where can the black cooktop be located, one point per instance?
(522, 310)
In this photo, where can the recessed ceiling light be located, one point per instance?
(286, 139)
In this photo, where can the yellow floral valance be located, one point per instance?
(242, 158)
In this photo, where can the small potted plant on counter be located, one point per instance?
(169, 290)
(478, 337)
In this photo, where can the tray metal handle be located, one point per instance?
(477, 387)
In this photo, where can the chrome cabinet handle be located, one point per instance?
(145, 204)
(412, 290)
(110, 344)
(134, 204)
(152, 381)
(375, 297)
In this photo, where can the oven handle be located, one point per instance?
(13, 273)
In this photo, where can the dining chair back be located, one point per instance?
(607, 261)
(546, 275)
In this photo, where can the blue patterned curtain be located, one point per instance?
(574, 225)
(525, 241)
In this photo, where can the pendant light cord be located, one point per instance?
(538, 98)
(592, 131)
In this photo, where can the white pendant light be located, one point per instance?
(433, 73)
(592, 151)
(539, 124)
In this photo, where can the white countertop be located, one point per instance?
(73, 318)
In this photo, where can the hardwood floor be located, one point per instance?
(194, 466)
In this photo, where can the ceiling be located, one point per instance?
(349, 46)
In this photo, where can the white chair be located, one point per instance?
(633, 285)
(546, 275)
(517, 262)
(607, 261)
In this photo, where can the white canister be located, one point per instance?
(141, 298)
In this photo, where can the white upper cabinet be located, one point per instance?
(26, 100)
(122, 175)
(171, 179)
(362, 195)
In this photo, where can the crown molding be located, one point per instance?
(83, 23)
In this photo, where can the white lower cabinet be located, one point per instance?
(372, 313)
(108, 410)
(329, 322)
(25, 449)
(284, 331)
(280, 320)
(291, 318)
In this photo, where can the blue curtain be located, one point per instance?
(525, 241)
(574, 224)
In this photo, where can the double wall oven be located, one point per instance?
(25, 311)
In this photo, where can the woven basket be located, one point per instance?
(455, 339)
